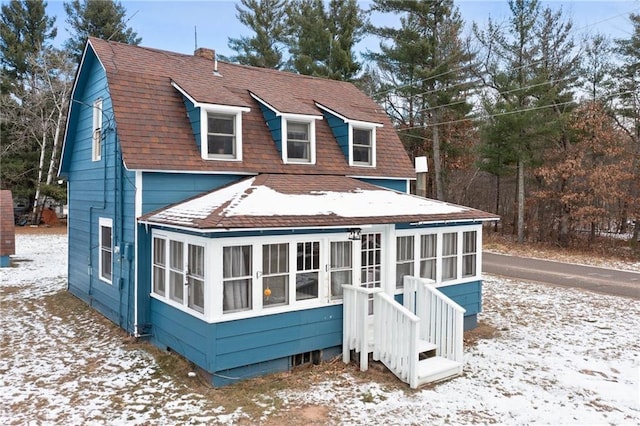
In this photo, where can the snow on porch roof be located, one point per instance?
(299, 201)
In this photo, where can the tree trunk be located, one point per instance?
(56, 142)
(35, 217)
(437, 164)
(495, 222)
(520, 224)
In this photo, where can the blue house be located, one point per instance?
(253, 220)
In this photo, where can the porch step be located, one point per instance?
(425, 346)
(437, 368)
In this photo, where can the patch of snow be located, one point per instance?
(563, 356)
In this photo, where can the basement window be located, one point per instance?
(305, 358)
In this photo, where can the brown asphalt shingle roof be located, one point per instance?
(155, 133)
(294, 201)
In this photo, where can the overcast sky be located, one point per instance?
(171, 25)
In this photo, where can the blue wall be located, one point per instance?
(194, 118)
(340, 131)
(274, 123)
(395, 184)
(98, 189)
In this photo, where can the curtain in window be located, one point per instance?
(449, 256)
(176, 276)
(195, 277)
(404, 259)
(308, 266)
(237, 278)
(428, 254)
(159, 253)
(469, 250)
(341, 253)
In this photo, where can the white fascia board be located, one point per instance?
(286, 115)
(356, 123)
(449, 221)
(195, 172)
(208, 106)
(227, 230)
(265, 103)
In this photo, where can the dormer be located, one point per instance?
(217, 128)
(294, 134)
(356, 138)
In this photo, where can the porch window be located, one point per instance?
(404, 259)
(298, 142)
(195, 277)
(449, 256)
(340, 269)
(469, 253)
(105, 258)
(428, 256)
(371, 260)
(237, 278)
(176, 271)
(275, 274)
(308, 267)
(159, 265)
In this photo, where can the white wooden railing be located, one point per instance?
(441, 319)
(396, 338)
(356, 321)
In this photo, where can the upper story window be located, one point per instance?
(356, 138)
(362, 146)
(299, 143)
(96, 138)
(221, 132)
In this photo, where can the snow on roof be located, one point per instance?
(265, 200)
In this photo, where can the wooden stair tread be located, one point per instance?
(425, 346)
(437, 368)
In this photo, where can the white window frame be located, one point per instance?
(371, 128)
(439, 232)
(225, 111)
(186, 241)
(303, 119)
(96, 133)
(105, 222)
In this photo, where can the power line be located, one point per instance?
(498, 114)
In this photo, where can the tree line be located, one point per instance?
(526, 117)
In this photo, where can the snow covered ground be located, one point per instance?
(562, 356)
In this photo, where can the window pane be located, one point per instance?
(338, 278)
(196, 260)
(428, 246)
(340, 269)
(275, 290)
(106, 265)
(449, 244)
(236, 295)
(158, 280)
(298, 150)
(428, 269)
(176, 286)
(220, 144)
(159, 247)
(236, 261)
(449, 268)
(176, 257)
(469, 242)
(106, 237)
(221, 125)
(403, 269)
(306, 286)
(297, 131)
(361, 154)
(362, 137)
(468, 265)
(196, 294)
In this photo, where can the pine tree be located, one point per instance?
(104, 19)
(321, 41)
(266, 19)
(426, 61)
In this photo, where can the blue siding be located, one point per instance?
(395, 184)
(274, 122)
(340, 131)
(248, 342)
(194, 118)
(100, 189)
(468, 295)
(162, 189)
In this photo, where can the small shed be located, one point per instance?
(7, 228)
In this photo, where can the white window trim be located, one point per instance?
(362, 126)
(166, 298)
(236, 113)
(105, 222)
(439, 231)
(96, 133)
(311, 121)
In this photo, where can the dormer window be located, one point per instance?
(362, 146)
(221, 136)
(293, 134)
(221, 132)
(356, 138)
(299, 145)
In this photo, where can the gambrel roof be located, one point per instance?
(155, 133)
(298, 201)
